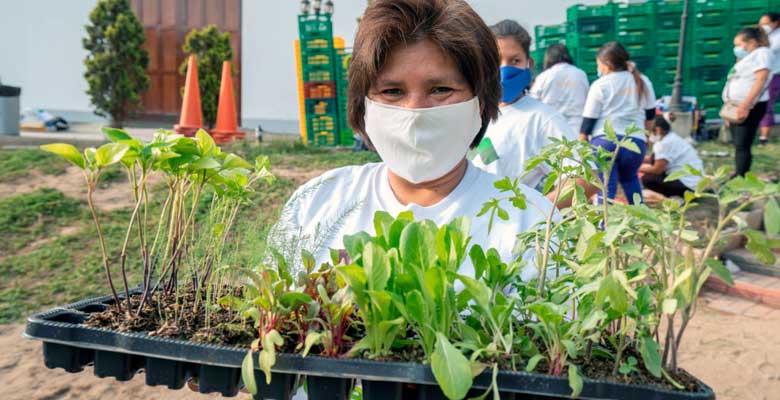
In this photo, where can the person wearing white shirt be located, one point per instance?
(561, 85)
(671, 153)
(422, 118)
(525, 124)
(747, 83)
(770, 23)
(624, 97)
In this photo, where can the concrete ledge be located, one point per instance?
(769, 296)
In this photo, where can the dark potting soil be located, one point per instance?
(173, 318)
(168, 318)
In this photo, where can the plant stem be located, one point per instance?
(90, 202)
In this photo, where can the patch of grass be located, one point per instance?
(16, 163)
(294, 154)
(30, 216)
(68, 268)
(765, 158)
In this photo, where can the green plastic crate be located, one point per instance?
(669, 6)
(710, 5)
(588, 41)
(760, 6)
(708, 87)
(580, 11)
(635, 23)
(711, 32)
(548, 41)
(635, 9)
(346, 138)
(635, 37)
(543, 31)
(711, 45)
(314, 26)
(711, 17)
(594, 25)
(741, 19)
(318, 73)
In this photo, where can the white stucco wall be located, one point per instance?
(40, 50)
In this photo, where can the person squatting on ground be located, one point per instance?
(623, 96)
(424, 85)
(525, 125)
(746, 85)
(671, 153)
(770, 23)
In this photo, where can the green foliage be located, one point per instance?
(211, 47)
(116, 61)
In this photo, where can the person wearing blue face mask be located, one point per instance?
(525, 125)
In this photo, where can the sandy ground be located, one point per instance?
(738, 356)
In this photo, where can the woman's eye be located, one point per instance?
(441, 90)
(391, 92)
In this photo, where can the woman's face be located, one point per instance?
(749, 45)
(512, 53)
(766, 21)
(419, 75)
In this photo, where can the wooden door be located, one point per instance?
(167, 23)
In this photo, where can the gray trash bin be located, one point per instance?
(9, 110)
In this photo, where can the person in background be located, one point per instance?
(525, 124)
(623, 96)
(747, 84)
(422, 118)
(770, 23)
(670, 154)
(561, 85)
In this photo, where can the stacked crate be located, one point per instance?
(547, 35)
(318, 67)
(650, 31)
(634, 24)
(590, 28)
(343, 56)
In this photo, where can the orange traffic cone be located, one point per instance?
(227, 119)
(191, 118)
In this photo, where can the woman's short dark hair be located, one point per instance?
(556, 54)
(773, 16)
(754, 33)
(511, 29)
(450, 24)
(661, 122)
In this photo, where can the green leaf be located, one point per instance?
(720, 270)
(759, 246)
(532, 362)
(234, 161)
(205, 163)
(772, 217)
(676, 175)
(294, 299)
(451, 368)
(415, 307)
(648, 348)
(575, 381)
(354, 276)
(312, 338)
(116, 135)
(206, 143)
(66, 151)
(248, 373)
(377, 267)
(110, 153)
(630, 145)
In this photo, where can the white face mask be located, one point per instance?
(422, 144)
(767, 28)
(655, 138)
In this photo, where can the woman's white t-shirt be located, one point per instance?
(678, 152)
(343, 202)
(519, 134)
(774, 44)
(563, 87)
(743, 75)
(614, 97)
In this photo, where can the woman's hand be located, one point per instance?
(583, 137)
(742, 111)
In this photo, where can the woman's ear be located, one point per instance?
(531, 63)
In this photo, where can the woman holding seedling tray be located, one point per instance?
(424, 85)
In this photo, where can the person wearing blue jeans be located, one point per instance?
(625, 97)
(626, 168)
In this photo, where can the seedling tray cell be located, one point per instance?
(70, 345)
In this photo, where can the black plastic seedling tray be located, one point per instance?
(70, 345)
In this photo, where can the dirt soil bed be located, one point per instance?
(737, 355)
